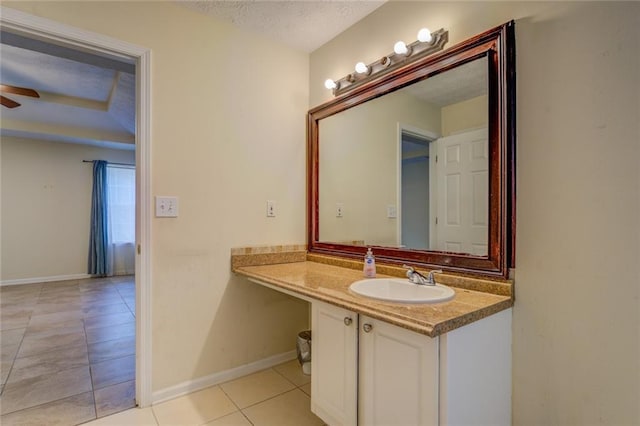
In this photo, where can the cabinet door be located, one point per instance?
(398, 381)
(334, 346)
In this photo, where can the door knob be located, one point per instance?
(347, 321)
(367, 328)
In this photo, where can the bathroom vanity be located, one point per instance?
(378, 362)
(381, 363)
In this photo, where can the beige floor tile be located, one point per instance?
(256, 387)
(195, 408)
(11, 337)
(13, 320)
(104, 309)
(68, 411)
(108, 320)
(8, 352)
(100, 299)
(35, 343)
(111, 349)
(306, 389)
(292, 371)
(111, 332)
(43, 389)
(132, 417)
(55, 318)
(289, 409)
(49, 362)
(6, 360)
(235, 419)
(116, 398)
(114, 371)
(52, 307)
(40, 327)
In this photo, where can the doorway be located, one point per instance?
(415, 169)
(29, 26)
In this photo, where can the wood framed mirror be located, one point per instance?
(419, 163)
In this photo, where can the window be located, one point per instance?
(121, 193)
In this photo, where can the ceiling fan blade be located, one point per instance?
(19, 90)
(8, 102)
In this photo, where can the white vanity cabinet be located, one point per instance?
(334, 378)
(368, 372)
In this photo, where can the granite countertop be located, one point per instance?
(330, 283)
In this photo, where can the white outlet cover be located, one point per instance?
(392, 212)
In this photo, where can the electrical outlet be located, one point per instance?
(166, 206)
(271, 208)
(392, 213)
(339, 209)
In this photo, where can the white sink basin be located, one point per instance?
(401, 290)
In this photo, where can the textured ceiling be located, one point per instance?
(456, 85)
(90, 99)
(79, 102)
(302, 24)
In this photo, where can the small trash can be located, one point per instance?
(303, 348)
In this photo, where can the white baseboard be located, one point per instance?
(44, 279)
(220, 377)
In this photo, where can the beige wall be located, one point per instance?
(576, 321)
(228, 133)
(364, 172)
(46, 206)
(466, 115)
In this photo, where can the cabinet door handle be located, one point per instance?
(347, 321)
(367, 328)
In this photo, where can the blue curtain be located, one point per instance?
(99, 253)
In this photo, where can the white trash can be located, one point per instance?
(303, 348)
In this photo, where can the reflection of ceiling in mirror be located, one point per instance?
(456, 85)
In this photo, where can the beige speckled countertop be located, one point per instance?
(330, 283)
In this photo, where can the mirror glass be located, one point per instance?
(410, 169)
(419, 162)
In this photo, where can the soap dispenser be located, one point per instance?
(369, 269)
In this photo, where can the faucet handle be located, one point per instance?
(430, 278)
(410, 270)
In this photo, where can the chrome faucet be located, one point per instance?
(417, 278)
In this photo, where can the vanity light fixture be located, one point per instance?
(424, 35)
(330, 84)
(401, 49)
(426, 44)
(362, 68)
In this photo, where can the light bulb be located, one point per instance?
(424, 35)
(361, 68)
(400, 48)
(330, 84)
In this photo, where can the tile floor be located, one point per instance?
(278, 396)
(68, 350)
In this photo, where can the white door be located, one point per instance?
(462, 174)
(398, 376)
(334, 364)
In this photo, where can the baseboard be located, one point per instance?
(44, 279)
(220, 377)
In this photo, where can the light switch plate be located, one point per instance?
(166, 206)
(339, 209)
(271, 208)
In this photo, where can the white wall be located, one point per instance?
(228, 133)
(46, 207)
(576, 320)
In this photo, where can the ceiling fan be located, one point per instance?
(10, 103)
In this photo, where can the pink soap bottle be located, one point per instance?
(369, 269)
